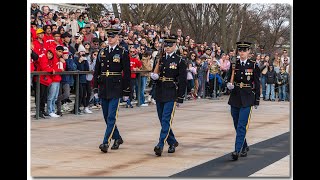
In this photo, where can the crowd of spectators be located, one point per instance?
(70, 41)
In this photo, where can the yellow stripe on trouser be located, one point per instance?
(109, 139)
(249, 117)
(172, 114)
(248, 120)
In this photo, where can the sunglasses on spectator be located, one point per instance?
(132, 51)
(94, 54)
(286, 60)
(96, 44)
(193, 55)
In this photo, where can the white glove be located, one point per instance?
(96, 95)
(125, 98)
(230, 86)
(154, 76)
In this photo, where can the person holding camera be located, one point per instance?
(112, 77)
(82, 65)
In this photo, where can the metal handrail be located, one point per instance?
(38, 73)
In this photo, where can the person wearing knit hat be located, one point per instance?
(65, 50)
(82, 65)
(81, 48)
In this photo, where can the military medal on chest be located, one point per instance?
(248, 73)
(116, 58)
(173, 65)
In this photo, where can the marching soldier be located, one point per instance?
(245, 84)
(112, 74)
(171, 77)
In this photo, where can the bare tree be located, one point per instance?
(151, 13)
(196, 20)
(262, 24)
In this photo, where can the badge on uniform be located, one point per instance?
(102, 54)
(116, 58)
(173, 65)
(248, 73)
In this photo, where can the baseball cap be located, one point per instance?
(39, 31)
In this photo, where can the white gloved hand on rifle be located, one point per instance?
(154, 76)
(230, 86)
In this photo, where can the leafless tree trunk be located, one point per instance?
(115, 10)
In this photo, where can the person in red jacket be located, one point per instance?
(39, 45)
(53, 91)
(56, 40)
(33, 30)
(47, 38)
(135, 64)
(45, 80)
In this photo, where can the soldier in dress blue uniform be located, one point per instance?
(171, 82)
(245, 94)
(112, 75)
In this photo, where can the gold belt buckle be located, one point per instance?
(163, 78)
(241, 84)
(107, 73)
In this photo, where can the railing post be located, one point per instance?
(203, 85)
(38, 97)
(76, 105)
(139, 88)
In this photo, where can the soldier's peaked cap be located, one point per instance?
(243, 44)
(111, 31)
(171, 39)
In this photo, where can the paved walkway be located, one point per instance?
(68, 146)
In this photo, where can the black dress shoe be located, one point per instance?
(244, 152)
(59, 113)
(117, 143)
(104, 148)
(45, 113)
(158, 150)
(234, 156)
(172, 148)
(40, 116)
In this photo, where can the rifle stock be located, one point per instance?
(232, 73)
(157, 68)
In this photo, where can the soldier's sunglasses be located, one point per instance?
(111, 36)
(168, 45)
(242, 49)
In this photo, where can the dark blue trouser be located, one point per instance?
(241, 120)
(165, 113)
(110, 113)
